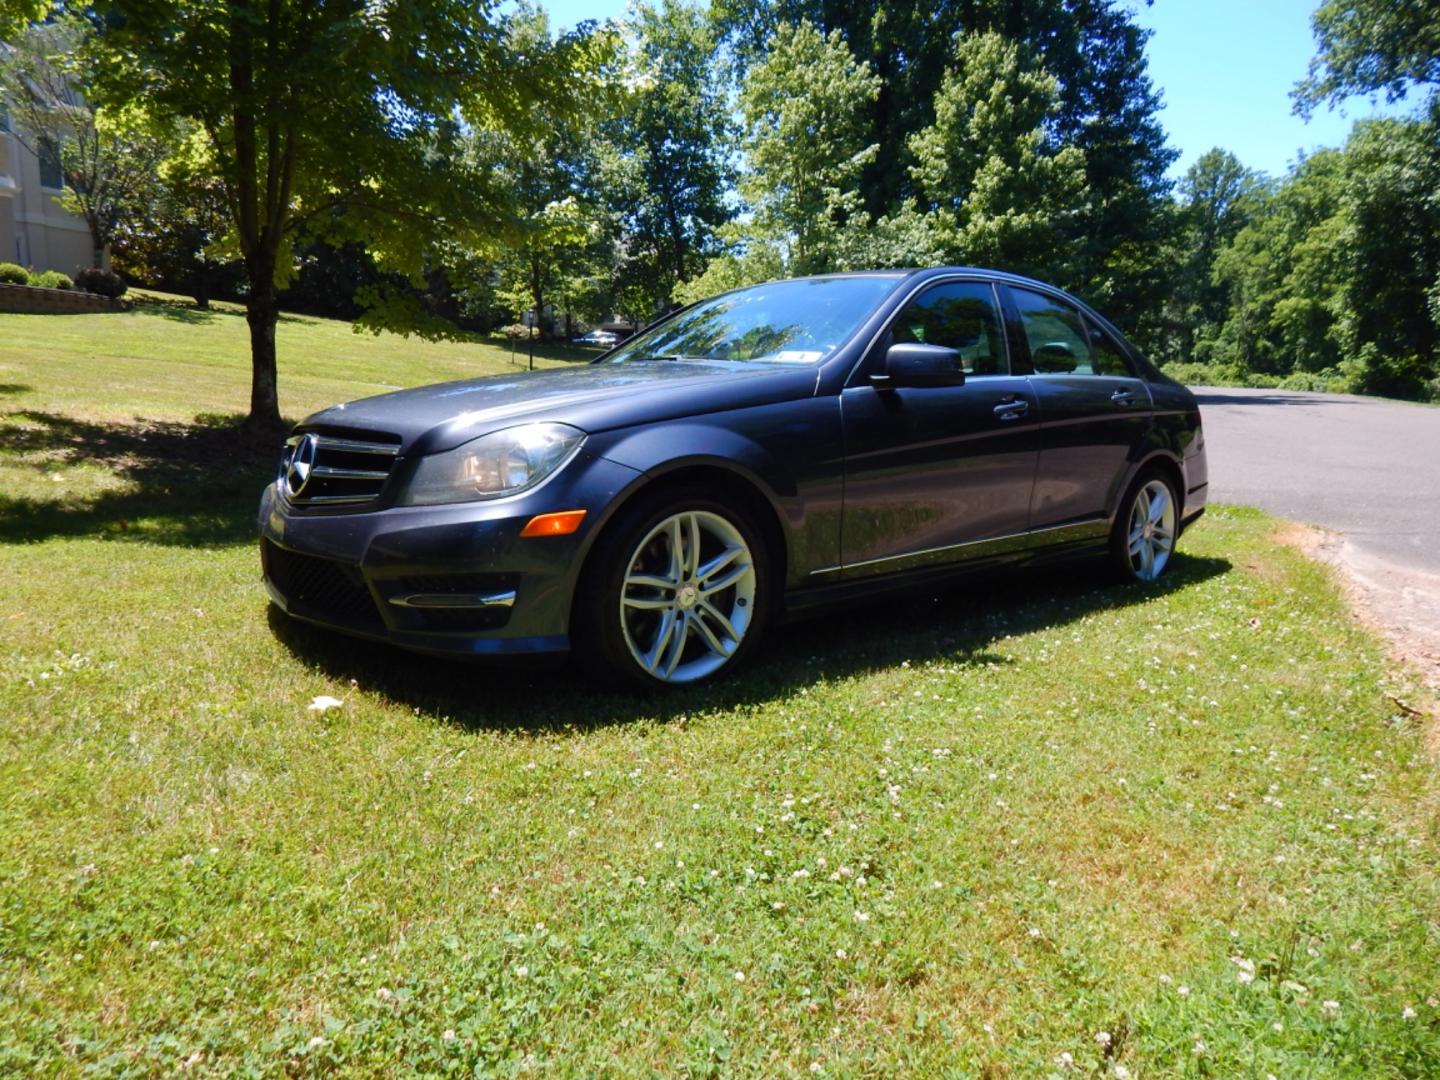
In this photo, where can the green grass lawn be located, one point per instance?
(966, 836)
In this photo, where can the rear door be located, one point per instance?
(1094, 411)
(933, 473)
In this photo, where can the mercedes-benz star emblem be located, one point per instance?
(302, 461)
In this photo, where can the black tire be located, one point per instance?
(605, 635)
(1125, 563)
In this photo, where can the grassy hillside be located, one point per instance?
(1044, 827)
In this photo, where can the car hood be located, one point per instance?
(592, 397)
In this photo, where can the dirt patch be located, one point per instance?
(1402, 604)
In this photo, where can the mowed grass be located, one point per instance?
(964, 835)
(164, 359)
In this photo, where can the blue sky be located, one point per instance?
(1224, 67)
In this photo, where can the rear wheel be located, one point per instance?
(676, 592)
(1146, 528)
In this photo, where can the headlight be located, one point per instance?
(502, 463)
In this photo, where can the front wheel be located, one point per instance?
(1145, 528)
(676, 593)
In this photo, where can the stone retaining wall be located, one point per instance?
(29, 300)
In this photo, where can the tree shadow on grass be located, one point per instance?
(186, 483)
(186, 311)
(11, 388)
(959, 625)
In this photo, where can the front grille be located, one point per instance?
(326, 470)
(322, 586)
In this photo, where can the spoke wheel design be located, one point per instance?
(688, 596)
(1150, 537)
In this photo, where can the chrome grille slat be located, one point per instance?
(351, 474)
(354, 446)
(332, 471)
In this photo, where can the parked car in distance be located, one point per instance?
(604, 338)
(765, 453)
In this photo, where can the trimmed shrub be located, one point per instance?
(52, 279)
(101, 282)
(518, 331)
(13, 274)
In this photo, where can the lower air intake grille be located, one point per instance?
(323, 587)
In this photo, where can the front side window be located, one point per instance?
(959, 315)
(1057, 336)
(782, 322)
(51, 175)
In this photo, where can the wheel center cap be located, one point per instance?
(686, 597)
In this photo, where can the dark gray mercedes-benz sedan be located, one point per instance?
(765, 452)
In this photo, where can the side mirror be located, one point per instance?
(1054, 358)
(911, 363)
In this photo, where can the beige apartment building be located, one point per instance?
(35, 231)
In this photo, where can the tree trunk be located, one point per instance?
(262, 312)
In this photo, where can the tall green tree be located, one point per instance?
(806, 141)
(1371, 46)
(1339, 274)
(996, 188)
(1219, 196)
(343, 120)
(1107, 108)
(673, 144)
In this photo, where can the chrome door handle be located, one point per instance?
(1123, 396)
(1012, 410)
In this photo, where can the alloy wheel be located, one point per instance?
(1151, 535)
(688, 597)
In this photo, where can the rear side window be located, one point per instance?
(1059, 340)
(1105, 355)
(960, 315)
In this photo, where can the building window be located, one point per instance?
(4, 119)
(51, 175)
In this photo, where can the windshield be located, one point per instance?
(783, 322)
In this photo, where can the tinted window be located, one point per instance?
(1105, 355)
(783, 322)
(960, 315)
(1058, 338)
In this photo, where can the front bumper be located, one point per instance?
(455, 580)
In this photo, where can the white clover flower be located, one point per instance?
(448, 1035)
(1103, 1038)
(323, 704)
(1121, 1072)
(1330, 1008)
(1407, 1013)
(1200, 1047)
(840, 954)
(1065, 1059)
(862, 916)
(1243, 964)
(1183, 991)
(1244, 978)
(317, 1042)
(739, 976)
(522, 971)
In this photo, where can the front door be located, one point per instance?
(938, 474)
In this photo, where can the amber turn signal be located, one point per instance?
(562, 523)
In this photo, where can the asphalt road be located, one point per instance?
(1362, 466)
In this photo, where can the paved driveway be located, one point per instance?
(1362, 466)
